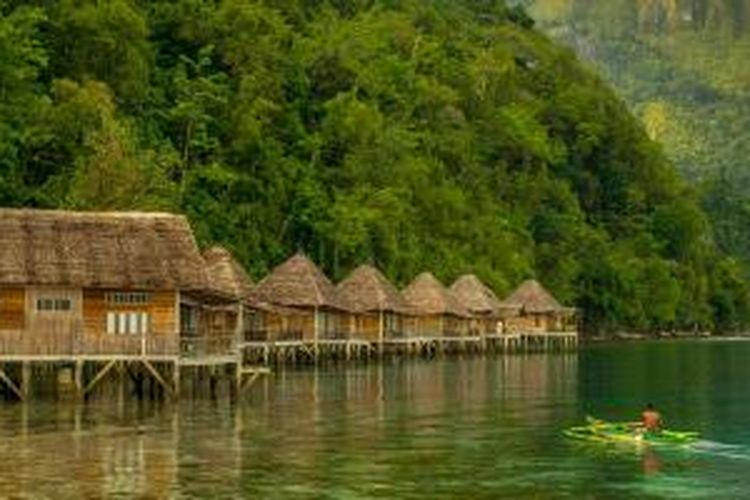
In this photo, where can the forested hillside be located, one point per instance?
(422, 134)
(683, 66)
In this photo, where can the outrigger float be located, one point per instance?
(628, 432)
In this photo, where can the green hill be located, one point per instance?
(682, 66)
(424, 134)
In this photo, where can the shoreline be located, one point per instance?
(637, 337)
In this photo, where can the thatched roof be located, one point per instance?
(299, 283)
(99, 250)
(532, 297)
(225, 275)
(367, 290)
(475, 296)
(427, 295)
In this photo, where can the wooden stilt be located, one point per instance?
(176, 378)
(78, 378)
(99, 376)
(157, 376)
(26, 379)
(11, 385)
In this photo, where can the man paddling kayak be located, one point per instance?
(633, 432)
(651, 419)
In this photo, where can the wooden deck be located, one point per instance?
(89, 362)
(164, 361)
(307, 351)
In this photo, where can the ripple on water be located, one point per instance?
(470, 428)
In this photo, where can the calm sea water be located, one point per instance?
(458, 428)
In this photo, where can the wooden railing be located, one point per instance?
(258, 335)
(267, 335)
(290, 336)
(215, 345)
(24, 343)
(395, 334)
(334, 335)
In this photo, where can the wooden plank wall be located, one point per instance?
(60, 323)
(539, 323)
(12, 309)
(299, 325)
(456, 327)
(424, 326)
(217, 321)
(367, 327)
(161, 308)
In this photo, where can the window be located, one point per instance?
(128, 323)
(392, 323)
(188, 320)
(54, 305)
(128, 297)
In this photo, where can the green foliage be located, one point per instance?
(436, 135)
(682, 67)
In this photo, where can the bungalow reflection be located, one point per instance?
(372, 424)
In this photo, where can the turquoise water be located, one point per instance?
(458, 428)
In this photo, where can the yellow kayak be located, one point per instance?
(628, 432)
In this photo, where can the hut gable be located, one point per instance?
(226, 276)
(532, 297)
(367, 290)
(99, 250)
(475, 295)
(298, 282)
(427, 295)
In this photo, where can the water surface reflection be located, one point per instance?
(406, 428)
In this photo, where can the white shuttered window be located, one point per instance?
(128, 323)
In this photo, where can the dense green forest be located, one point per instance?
(447, 135)
(682, 66)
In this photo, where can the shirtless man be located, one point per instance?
(651, 419)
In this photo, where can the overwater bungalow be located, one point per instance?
(378, 306)
(75, 283)
(301, 304)
(538, 311)
(225, 323)
(488, 313)
(435, 311)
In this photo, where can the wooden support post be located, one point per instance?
(381, 332)
(212, 381)
(316, 328)
(11, 385)
(78, 420)
(26, 379)
(239, 327)
(176, 378)
(78, 378)
(157, 376)
(231, 373)
(98, 377)
(248, 382)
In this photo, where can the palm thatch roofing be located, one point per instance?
(298, 282)
(130, 250)
(226, 276)
(367, 290)
(426, 295)
(475, 296)
(532, 297)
